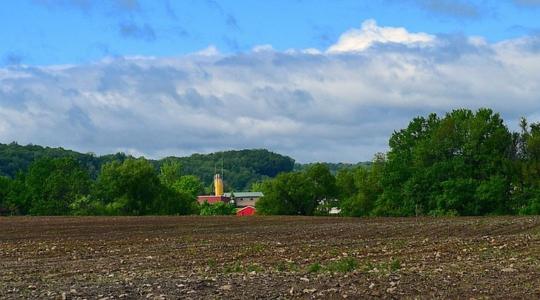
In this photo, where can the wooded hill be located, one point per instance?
(241, 168)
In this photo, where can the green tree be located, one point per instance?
(53, 184)
(526, 193)
(189, 184)
(451, 164)
(170, 172)
(175, 202)
(257, 186)
(131, 187)
(323, 182)
(287, 194)
(5, 188)
(355, 206)
(345, 183)
(361, 187)
(309, 192)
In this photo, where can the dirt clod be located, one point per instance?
(269, 257)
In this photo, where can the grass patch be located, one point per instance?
(395, 265)
(254, 268)
(258, 248)
(343, 265)
(234, 268)
(238, 268)
(314, 268)
(284, 266)
(392, 266)
(211, 263)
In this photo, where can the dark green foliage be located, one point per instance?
(189, 184)
(5, 187)
(287, 194)
(334, 168)
(460, 163)
(360, 188)
(51, 185)
(464, 163)
(299, 193)
(216, 209)
(55, 181)
(173, 201)
(15, 158)
(169, 172)
(526, 193)
(133, 188)
(240, 168)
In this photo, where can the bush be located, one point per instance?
(216, 209)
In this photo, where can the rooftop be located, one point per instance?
(244, 194)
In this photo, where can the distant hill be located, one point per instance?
(241, 168)
(333, 167)
(15, 158)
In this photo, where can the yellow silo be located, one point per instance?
(218, 185)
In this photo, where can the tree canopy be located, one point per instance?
(461, 163)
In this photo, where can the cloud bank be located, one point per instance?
(335, 104)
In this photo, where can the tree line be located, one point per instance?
(463, 163)
(54, 181)
(61, 186)
(241, 167)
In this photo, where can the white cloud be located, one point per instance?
(310, 105)
(263, 48)
(370, 33)
(208, 51)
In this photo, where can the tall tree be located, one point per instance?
(5, 187)
(449, 165)
(131, 187)
(53, 184)
(170, 172)
(189, 184)
(299, 193)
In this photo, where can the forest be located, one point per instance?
(39, 180)
(463, 163)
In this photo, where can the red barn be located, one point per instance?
(213, 199)
(246, 211)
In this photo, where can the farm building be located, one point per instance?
(218, 193)
(212, 199)
(246, 211)
(244, 201)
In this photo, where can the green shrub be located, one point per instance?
(216, 209)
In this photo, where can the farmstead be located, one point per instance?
(244, 201)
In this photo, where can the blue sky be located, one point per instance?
(76, 31)
(316, 80)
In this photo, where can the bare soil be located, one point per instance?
(269, 257)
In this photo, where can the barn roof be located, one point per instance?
(245, 194)
(245, 207)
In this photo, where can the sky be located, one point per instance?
(316, 80)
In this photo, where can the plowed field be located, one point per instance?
(269, 257)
